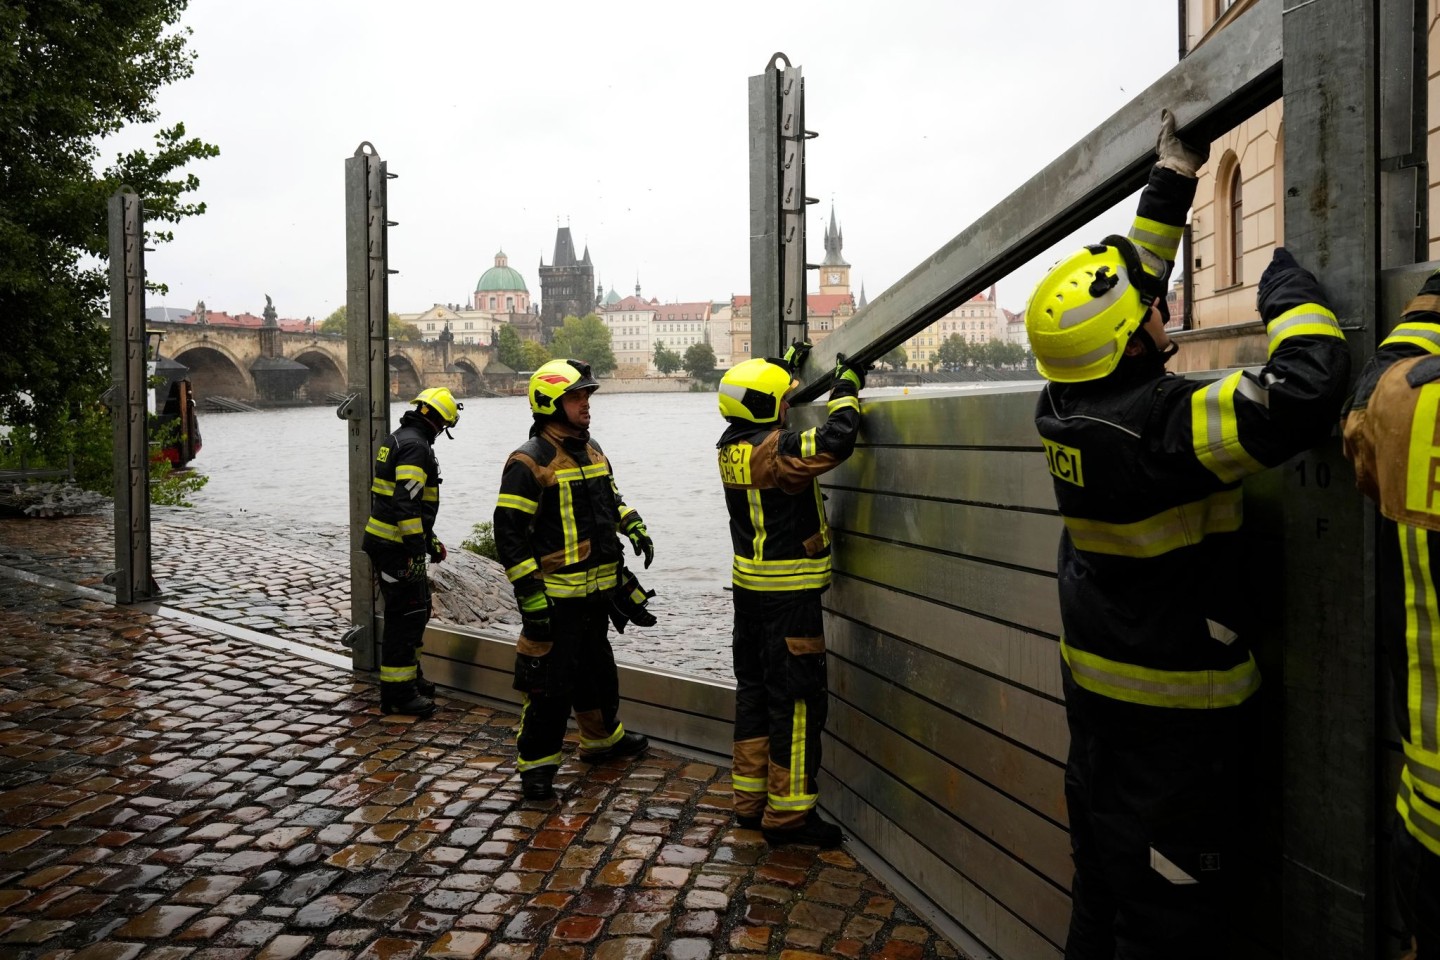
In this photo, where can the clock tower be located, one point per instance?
(834, 271)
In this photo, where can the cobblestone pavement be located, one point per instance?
(301, 592)
(168, 792)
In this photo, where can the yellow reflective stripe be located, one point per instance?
(806, 581)
(1424, 766)
(820, 512)
(625, 511)
(571, 474)
(802, 565)
(411, 526)
(1307, 320)
(432, 494)
(408, 471)
(551, 761)
(528, 565)
(1422, 636)
(1217, 430)
(843, 403)
(397, 674)
(1181, 526)
(1426, 336)
(1421, 455)
(383, 487)
(1162, 239)
(567, 526)
(1189, 689)
(1422, 818)
(795, 799)
(383, 530)
(609, 741)
(808, 444)
(517, 502)
(638, 596)
(757, 522)
(747, 784)
(582, 583)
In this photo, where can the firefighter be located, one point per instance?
(399, 536)
(557, 527)
(781, 566)
(1392, 438)
(1146, 467)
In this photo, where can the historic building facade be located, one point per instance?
(567, 285)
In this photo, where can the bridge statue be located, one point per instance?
(270, 315)
(202, 316)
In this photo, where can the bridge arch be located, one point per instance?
(470, 382)
(326, 376)
(404, 377)
(214, 371)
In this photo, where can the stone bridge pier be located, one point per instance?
(267, 365)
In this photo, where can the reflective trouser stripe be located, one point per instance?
(1188, 689)
(1307, 320)
(609, 741)
(397, 674)
(1421, 632)
(1421, 816)
(553, 760)
(584, 582)
(1216, 430)
(747, 784)
(1181, 526)
(796, 800)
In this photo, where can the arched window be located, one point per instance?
(492, 303)
(1237, 228)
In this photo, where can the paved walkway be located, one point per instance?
(167, 791)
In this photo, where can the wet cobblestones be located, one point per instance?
(167, 792)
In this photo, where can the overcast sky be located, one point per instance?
(628, 121)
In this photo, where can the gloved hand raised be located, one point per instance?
(795, 356)
(437, 551)
(850, 371)
(535, 615)
(640, 538)
(1286, 285)
(1175, 154)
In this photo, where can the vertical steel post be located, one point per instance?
(793, 286)
(129, 390)
(367, 405)
(1326, 572)
(765, 222)
(1403, 120)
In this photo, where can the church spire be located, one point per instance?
(834, 241)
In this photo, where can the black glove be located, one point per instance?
(640, 538)
(795, 356)
(437, 551)
(1286, 285)
(627, 603)
(416, 569)
(535, 616)
(850, 371)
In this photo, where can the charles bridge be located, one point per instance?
(271, 365)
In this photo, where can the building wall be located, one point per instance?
(978, 321)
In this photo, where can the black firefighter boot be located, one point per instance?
(537, 784)
(402, 697)
(426, 688)
(812, 831)
(627, 746)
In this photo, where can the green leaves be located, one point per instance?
(585, 338)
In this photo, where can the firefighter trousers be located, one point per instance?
(1155, 798)
(1416, 874)
(577, 673)
(407, 611)
(781, 703)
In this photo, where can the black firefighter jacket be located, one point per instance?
(1147, 469)
(405, 491)
(558, 514)
(778, 532)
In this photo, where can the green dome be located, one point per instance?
(501, 277)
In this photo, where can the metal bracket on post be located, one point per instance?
(793, 310)
(366, 408)
(133, 579)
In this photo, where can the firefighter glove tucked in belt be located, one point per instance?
(627, 603)
(640, 537)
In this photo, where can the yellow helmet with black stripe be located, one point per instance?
(1084, 312)
(753, 389)
(442, 402)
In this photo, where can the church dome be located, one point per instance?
(501, 277)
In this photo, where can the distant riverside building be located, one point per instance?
(679, 326)
(501, 297)
(501, 289)
(630, 321)
(567, 285)
(978, 320)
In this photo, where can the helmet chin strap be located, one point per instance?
(1153, 352)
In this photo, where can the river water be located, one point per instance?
(284, 472)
